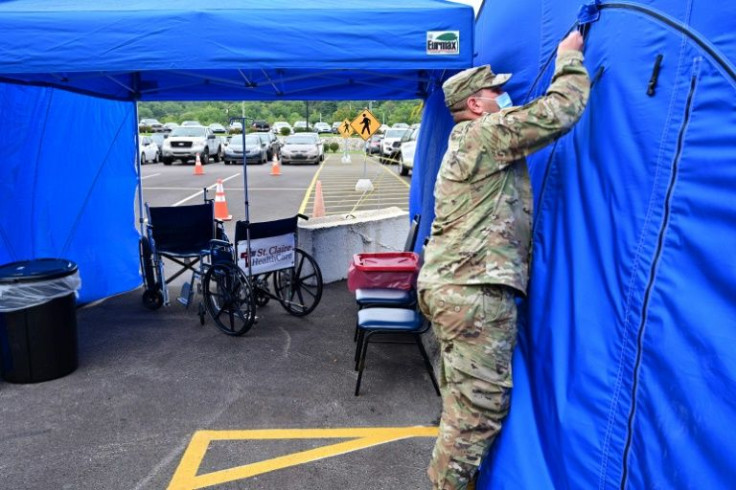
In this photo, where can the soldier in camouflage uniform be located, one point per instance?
(477, 259)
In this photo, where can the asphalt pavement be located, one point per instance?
(160, 401)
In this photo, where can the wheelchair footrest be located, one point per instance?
(185, 297)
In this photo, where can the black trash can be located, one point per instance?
(38, 320)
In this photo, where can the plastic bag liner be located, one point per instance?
(391, 270)
(19, 289)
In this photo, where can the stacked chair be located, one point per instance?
(390, 312)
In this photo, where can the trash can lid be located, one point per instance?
(36, 270)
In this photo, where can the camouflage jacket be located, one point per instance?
(481, 233)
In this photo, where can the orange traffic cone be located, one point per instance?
(220, 203)
(318, 210)
(198, 168)
(275, 165)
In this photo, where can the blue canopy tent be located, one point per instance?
(625, 376)
(71, 72)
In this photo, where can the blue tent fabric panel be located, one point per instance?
(431, 146)
(66, 193)
(276, 50)
(624, 374)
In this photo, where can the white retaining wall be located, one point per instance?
(333, 240)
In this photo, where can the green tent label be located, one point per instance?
(443, 42)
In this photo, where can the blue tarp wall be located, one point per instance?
(625, 376)
(71, 72)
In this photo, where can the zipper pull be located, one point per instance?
(655, 75)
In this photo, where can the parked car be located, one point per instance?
(191, 123)
(273, 145)
(185, 142)
(400, 125)
(322, 127)
(336, 126)
(278, 125)
(235, 126)
(301, 126)
(391, 145)
(159, 138)
(373, 145)
(169, 126)
(218, 128)
(302, 148)
(408, 148)
(256, 150)
(150, 125)
(148, 150)
(260, 125)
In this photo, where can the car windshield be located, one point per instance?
(189, 131)
(300, 140)
(395, 133)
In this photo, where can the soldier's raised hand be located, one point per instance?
(573, 41)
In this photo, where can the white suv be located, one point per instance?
(391, 145)
(185, 142)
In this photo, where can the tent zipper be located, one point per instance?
(721, 60)
(650, 282)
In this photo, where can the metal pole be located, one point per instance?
(247, 204)
(141, 220)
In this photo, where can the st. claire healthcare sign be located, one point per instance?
(269, 254)
(443, 42)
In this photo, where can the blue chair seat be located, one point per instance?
(399, 319)
(383, 296)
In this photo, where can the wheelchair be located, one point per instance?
(240, 278)
(182, 235)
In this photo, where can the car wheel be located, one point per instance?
(143, 158)
(206, 156)
(218, 155)
(157, 158)
(402, 169)
(167, 161)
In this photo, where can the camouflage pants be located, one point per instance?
(476, 328)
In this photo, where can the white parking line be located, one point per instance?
(199, 193)
(149, 176)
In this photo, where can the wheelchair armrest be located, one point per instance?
(219, 243)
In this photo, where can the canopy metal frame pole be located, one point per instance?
(245, 192)
(141, 219)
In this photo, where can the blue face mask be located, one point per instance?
(504, 100)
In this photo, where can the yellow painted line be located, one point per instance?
(303, 206)
(186, 477)
(396, 176)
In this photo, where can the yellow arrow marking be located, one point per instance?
(186, 478)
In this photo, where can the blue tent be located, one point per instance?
(71, 72)
(625, 376)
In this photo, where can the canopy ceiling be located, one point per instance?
(247, 50)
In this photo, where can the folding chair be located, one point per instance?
(387, 297)
(374, 322)
(181, 234)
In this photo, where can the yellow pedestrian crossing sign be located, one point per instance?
(365, 124)
(345, 129)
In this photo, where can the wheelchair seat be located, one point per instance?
(181, 234)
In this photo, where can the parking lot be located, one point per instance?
(159, 401)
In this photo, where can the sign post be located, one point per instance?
(345, 130)
(366, 124)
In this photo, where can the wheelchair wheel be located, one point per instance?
(153, 299)
(228, 298)
(260, 290)
(299, 288)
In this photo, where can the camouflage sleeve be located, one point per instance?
(518, 131)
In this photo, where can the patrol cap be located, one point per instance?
(468, 82)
